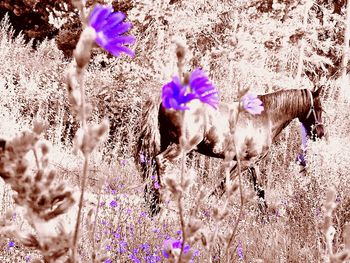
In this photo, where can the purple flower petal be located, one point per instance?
(98, 15)
(122, 40)
(119, 29)
(109, 28)
(113, 203)
(203, 88)
(114, 20)
(156, 185)
(116, 50)
(175, 95)
(172, 244)
(252, 104)
(11, 244)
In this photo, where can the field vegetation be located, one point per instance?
(258, 45)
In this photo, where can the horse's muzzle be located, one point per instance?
(319, 131)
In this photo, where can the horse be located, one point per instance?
(204, 129)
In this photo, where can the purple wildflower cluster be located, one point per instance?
(121, 242)
(175, 95)
(240, 251)
(173, 246)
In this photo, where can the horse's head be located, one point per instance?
(312, 120)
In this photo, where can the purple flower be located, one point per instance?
(11, 244)
(142, 158)
(252, 104)
(156, 185)
(107, 261)
(152, 258)
(134, 258)
(145, 247)
(174, 95)
(109, 28)
(203, 88)
(173, 245)
(196, 253)
(108, 247)
(240, 251)
(113, 203)
(122, 246)
(143, 214)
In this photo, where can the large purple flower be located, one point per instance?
(252, 104)
(203, 88)
(174, 95)
(109, 27)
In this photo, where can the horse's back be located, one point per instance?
(253, 135)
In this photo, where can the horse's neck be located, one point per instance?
(283, 107)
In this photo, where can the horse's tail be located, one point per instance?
(148, 142)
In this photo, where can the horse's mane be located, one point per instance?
(291, 101)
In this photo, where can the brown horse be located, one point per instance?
(204, 129)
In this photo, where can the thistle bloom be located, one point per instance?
(252, 104)
(203, 88)
(175, 95)
(109, 28)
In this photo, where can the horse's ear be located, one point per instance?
(318, 91)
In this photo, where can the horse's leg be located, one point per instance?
(151, 192)
(221, 187)
(255, 178)
(171, 153)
